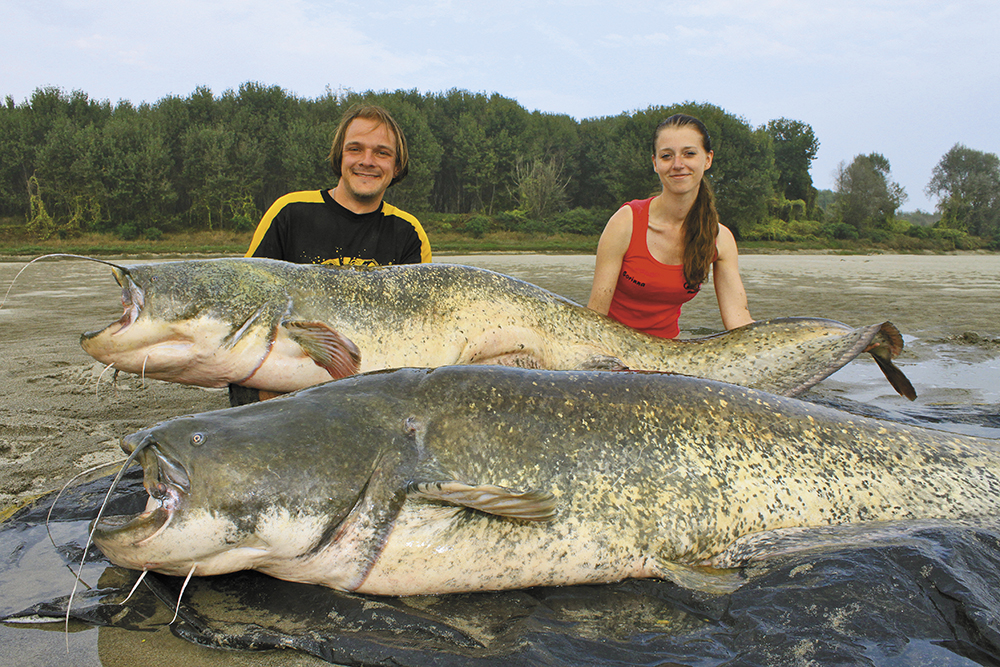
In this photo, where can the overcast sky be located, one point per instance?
(905, 78)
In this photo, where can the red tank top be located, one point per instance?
(649, 294)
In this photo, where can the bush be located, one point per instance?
(776, 229)
(801, 230)
(899, 226)
(879, 235)
(154, 234)
(129, 231)
(771, 230)
(582, 221)
(951, 237)
(841, 231)
(477, 225)
(512, 221)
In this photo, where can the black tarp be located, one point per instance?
(930, 595)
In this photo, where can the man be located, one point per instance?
(350, 224)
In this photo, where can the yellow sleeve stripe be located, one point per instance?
(308, 196)
(425, 243)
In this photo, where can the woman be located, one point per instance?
(655, 253)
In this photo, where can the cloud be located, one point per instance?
(906, 78)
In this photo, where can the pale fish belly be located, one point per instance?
(454, 550)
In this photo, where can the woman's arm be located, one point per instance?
(728, 284)
(610, 252)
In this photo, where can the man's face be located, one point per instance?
(368, 164)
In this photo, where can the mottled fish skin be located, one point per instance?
(376, 483)
(281, 327)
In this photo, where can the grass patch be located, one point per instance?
(443, 240)
(193, 243)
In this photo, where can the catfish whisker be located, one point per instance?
(114, 381)
(48, 517)
(137, 582)
(90, 536)
(99, 377)
(181, 594)
(55, 254)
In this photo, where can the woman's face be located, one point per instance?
(680, 159)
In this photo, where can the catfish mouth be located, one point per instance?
(168, 485)
(133, 300)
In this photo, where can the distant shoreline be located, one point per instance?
(232, 243)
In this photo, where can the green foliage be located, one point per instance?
(920, 218)
(777, 229)
(967, 182)
(582, 221)
(128, 231)
(867, 199)
(842, 231)
(513, 221)
(40, 224)
(786, 210)
(479, 163)
(541, 188)
(795, 147)
(244, 213)
(477, 225)
(898, 226)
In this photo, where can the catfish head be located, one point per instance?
(214, 322)
(262, 487)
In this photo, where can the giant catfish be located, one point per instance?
(473, 478)
(280, 327)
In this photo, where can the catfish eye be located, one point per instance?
(198, 439)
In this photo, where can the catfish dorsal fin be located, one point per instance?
(528, 505)
(326, 346)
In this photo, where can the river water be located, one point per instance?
(930, 596)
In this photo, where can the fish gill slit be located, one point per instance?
(334, 527)
(235, 337)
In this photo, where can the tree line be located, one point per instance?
(72, 164)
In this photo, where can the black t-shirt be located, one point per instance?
(311, 228)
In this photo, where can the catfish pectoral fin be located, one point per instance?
(528, 505)
(326, 346)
